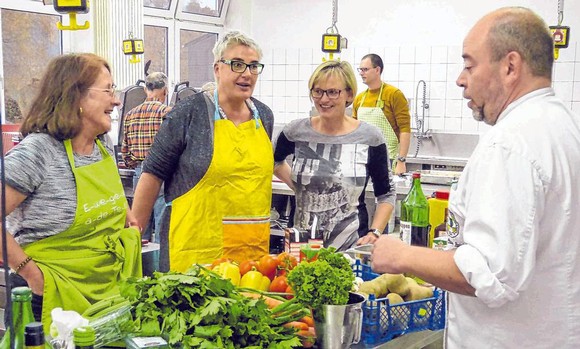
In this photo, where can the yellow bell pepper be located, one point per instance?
(254, 279)
(265, 284)
(228, 270)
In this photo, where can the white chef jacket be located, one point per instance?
(515, 215)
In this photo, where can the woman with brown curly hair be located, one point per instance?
(65, 205)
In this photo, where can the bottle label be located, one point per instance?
(405, 233)
(420, 236)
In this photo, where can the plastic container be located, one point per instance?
(437, 212)
(146, 342)
(383, 322)
(113, 326)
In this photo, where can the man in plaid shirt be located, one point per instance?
(140, 127)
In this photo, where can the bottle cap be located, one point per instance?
(416, 175)
(442, 194)
(33, 334)
(21, 294)
(84, 336)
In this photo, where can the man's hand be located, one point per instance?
(400, 168)
(388, 253)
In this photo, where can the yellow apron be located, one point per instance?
(376, 117)
(84, 263)
(227, 214)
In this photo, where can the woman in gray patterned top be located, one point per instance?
(334, 156)
(64, 198)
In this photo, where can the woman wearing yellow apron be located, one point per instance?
(215, 156)
(66, 204)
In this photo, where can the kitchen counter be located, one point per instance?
(402, 188)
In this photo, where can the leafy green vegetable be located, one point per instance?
(199, 309)
(325, 281)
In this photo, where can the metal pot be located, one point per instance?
(341, 325)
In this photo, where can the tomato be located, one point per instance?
(219, 261)
(268, 266)
(279, 284)
(286, 261)
(247, 266)
(290, 291)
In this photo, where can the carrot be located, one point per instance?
(270, 302)
(307, 333)
(307, 337)
(308, 320)
(299, 325)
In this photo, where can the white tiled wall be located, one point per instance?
(284, 83)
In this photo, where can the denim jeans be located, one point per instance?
(158, 209)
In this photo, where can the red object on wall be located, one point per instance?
(10, 136)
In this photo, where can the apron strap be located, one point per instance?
(249, 103)
(377, 104)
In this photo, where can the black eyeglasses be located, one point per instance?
(364, 70)
(240, 66)
(110, 91)
(332, 93)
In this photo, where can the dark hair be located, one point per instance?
(375, 60)
(521, 30)
(56, 108)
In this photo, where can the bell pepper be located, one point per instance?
(265, 284)
(255, 280)
(228, 270)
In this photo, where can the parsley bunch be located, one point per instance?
(198, 309)
(325, 281)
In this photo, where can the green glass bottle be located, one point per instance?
(21, 313)
(84, 337)
(415, 215)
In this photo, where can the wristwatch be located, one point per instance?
(401, 159)
(375, 232)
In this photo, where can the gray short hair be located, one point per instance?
(155, 81)
(520, 29)
(231, 39)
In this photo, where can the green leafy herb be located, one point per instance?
(325, 281)
(198, 309)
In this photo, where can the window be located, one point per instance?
(211, 8)
(158, 4)
(196, 57)
(156, 52)
(25, 53)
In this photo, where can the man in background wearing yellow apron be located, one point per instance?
(385, 107)
(214, 153)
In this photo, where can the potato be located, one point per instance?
(394, 298)
(375, 286)
(417, 292)
(396, 283)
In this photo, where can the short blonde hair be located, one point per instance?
(341, 69)
(234, 38)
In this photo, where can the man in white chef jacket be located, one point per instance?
(514, 276)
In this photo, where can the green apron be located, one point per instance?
(376, 117)
(84, 263)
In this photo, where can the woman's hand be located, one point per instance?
(370, 238)
(131, 221)
(34, 277)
